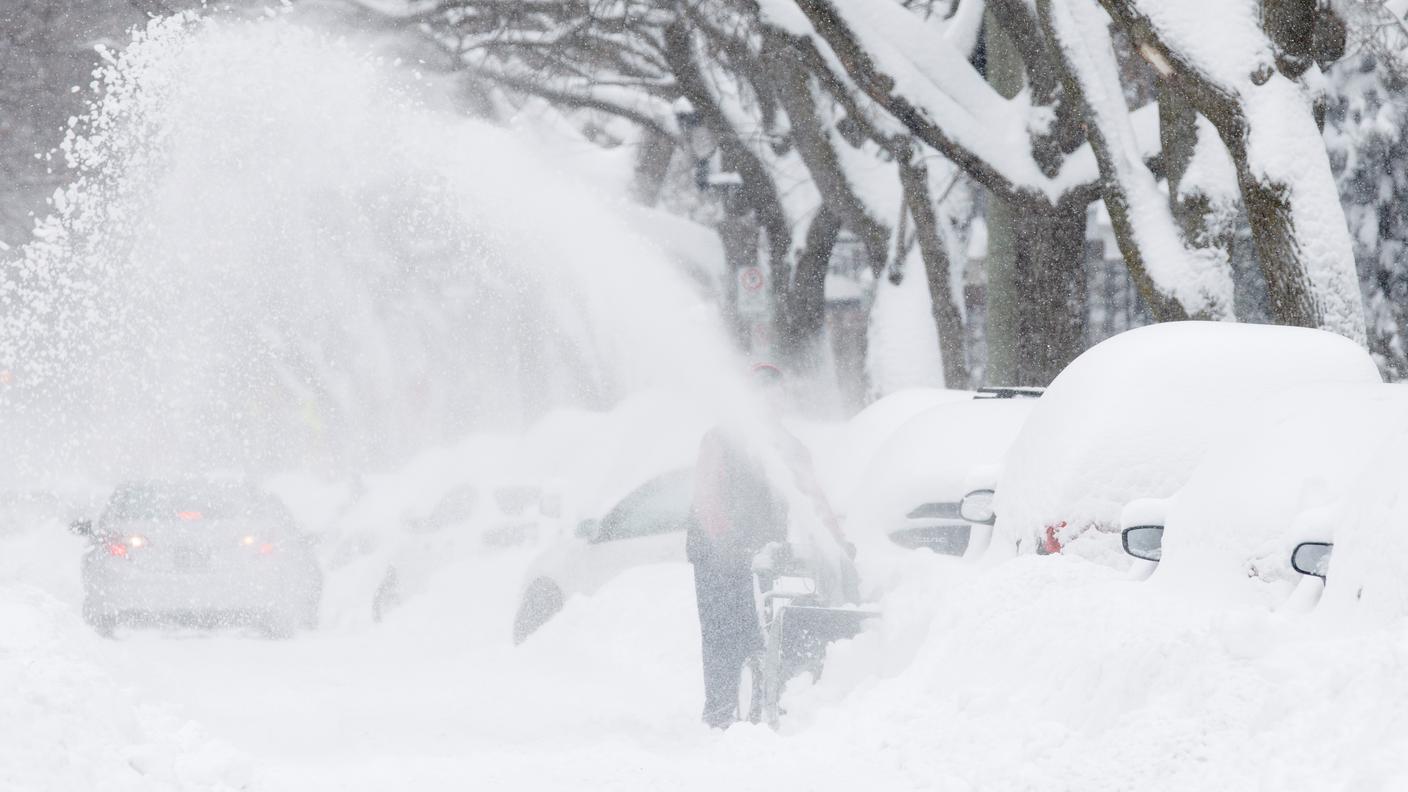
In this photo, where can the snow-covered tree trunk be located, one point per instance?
(1204, 203)
(1005, 300)
(1050, 268)
(1177, 279)
(809, 81)
(1218, 56)
(805, 307)
(652, 166)
(758, 191)
(928, 232)
(1036, 275)
(817, 145)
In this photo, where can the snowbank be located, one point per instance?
(1057, 673)
(70, 724)
(1132, 416)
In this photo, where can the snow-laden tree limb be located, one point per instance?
(1176, 280)
(1219, 57)
(817, 145)
(934, 240)
(632, 103)
(1028, 149)
(794, 37)
(927, 85)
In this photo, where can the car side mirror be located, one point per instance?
(1144, 541)
(590, 530)
(1312, 558)
(81, 527)
(976, 507)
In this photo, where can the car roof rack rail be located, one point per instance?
(1009, 392)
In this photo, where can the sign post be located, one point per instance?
(752, 296)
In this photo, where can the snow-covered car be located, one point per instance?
(868, 431)
(645, 527)
(1355, 544)
(1275, 482)
(469, 518)
(912, 491)
(198, 552)
(1133, 416)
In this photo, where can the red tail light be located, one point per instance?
(189, 516)
(262, 548)
(124, 547)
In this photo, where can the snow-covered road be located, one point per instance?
(1036, 673)
(605, 697)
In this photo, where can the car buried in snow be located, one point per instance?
(1133, 417)
(471, 517)
(645, 527)
(867, 432)
(911, 494)
(198, 553)
(1266, 500)
(1356, 550)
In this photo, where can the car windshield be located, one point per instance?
(661, 505)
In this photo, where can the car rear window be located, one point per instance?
(188, 502)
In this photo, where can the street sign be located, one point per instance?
(752, 294)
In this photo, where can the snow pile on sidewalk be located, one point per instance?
(1057, 673)
(70, 725)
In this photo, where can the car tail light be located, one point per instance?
(262, 548)
(190, 516)
(124, 547)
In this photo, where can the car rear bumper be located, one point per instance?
(114, 589)
(946, 537)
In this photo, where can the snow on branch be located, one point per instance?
(626, 101)
(926, 84)
(1178, 281)
(1226, 65)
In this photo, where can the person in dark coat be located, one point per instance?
(737, 512)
